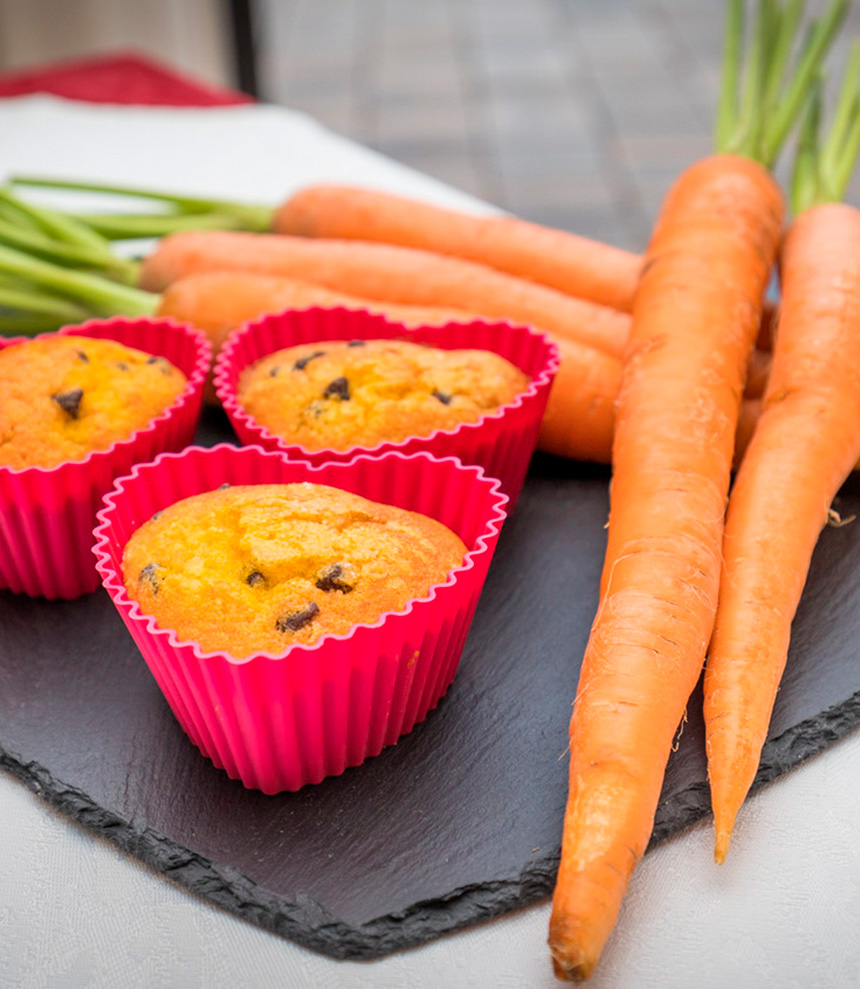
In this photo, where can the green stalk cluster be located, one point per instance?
(55, 270)
(766, 88)
(823, 168)
(178, 212)
(58, 268)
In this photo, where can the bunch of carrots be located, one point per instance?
(673, 365)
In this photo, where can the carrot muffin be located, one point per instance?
(257, 568)
(62, 397)
(337, 395)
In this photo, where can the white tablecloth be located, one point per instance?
(75, 912)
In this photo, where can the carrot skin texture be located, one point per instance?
(804, 446)
(580, 414)
(402, 275)
(572, 264)
(217, 302)
(695, 320)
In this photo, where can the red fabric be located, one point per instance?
(118, 78)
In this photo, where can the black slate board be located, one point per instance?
(461, 819)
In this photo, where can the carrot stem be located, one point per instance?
(39, 302)
(822, 171)
(750, 121)
(10, 212)
(776, 128)
(27, 324)
(104, 296)
(728, 106)
(124, 226)
(806, 178)
(845, 116)
(58, 251)
(786, 32)
(258, 218)
(55, 224)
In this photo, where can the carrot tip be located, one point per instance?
(572, 973)
(721, 846)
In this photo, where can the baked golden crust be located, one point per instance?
(61, 397)
(337, 395)
(256, 568)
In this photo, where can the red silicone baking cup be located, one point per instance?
(279, 722)
(47, 516)
(501, 442)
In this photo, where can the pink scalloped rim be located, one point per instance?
(47, 514)
(501, 441)
(112, 580)
(238, 711)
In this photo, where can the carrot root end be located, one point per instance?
(721, 846)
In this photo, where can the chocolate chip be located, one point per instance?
(275, 371)
(314, 410)
(443, 397)
(157, 515)
(69, 401)
(303, 362)
(255, 578)
(335, 578)
(164, 365)
(83, 357)
(298, 619)
(149, 575)
(356, 343)
(122, 365)
(224, 486)
(339, 388)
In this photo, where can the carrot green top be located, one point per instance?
(823, 169)
(764, 93)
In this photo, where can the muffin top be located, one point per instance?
(336, 395)
(61, 397)
(256, 568)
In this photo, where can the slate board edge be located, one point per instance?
(309, 924)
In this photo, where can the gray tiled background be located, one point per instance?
(574, 113)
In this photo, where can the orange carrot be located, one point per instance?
(403, 275)
(581, 409)
(219, 301)
(757, 374)
(695, 321)
(750, 415)
(580, 414)
(565, 261)
(804, 446)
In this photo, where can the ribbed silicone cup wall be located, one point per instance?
(47, 516)
(501, 442)
(279, 722)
